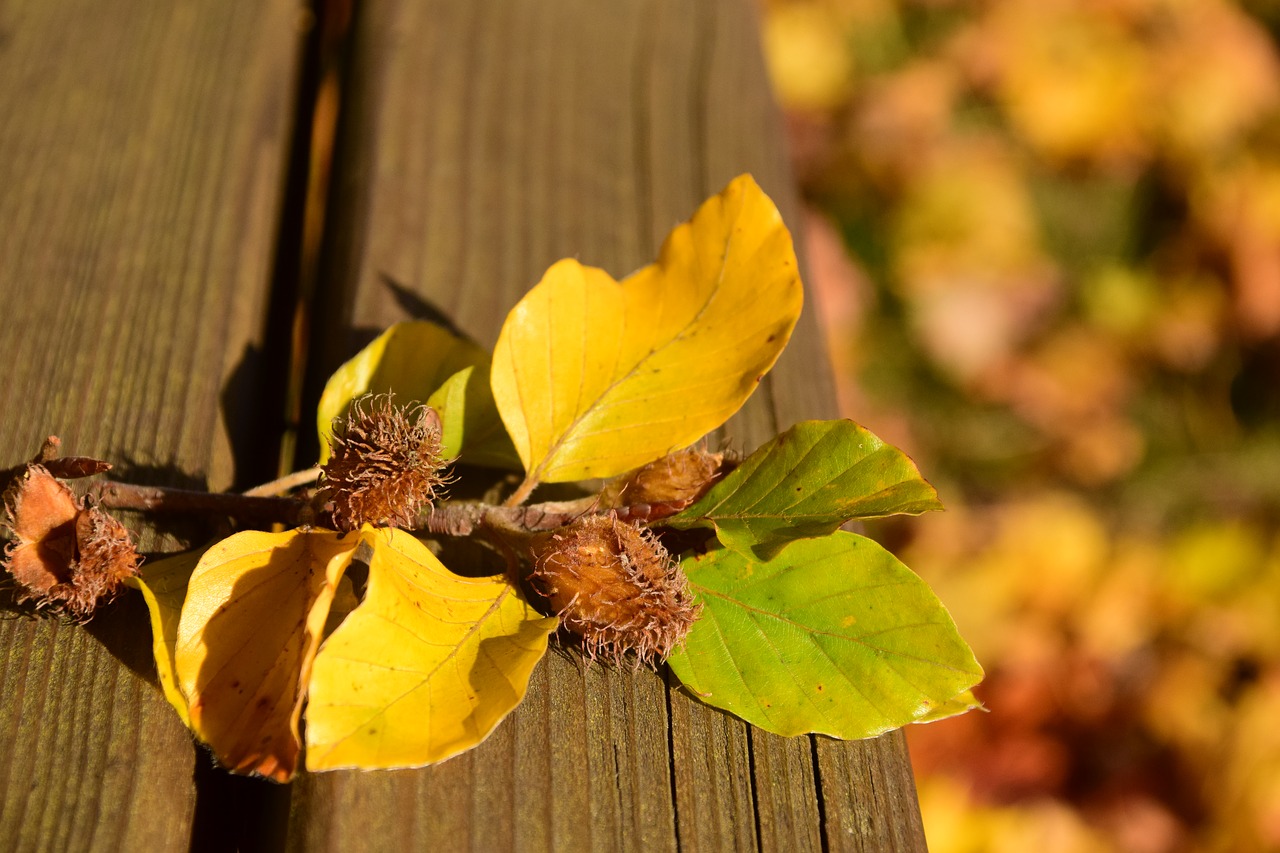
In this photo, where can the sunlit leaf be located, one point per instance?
(450, 402)
(163, 584)
(412, 359)
(425, 667)
(471, 426)
(594, 378)
(807, 482)
(833, 635)
(953, 707)
(254, 615)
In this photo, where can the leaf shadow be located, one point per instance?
(417, 308)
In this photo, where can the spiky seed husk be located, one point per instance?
(385, 465)
(674, 481)
(615, 586)
(64, 555)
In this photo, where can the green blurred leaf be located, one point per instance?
(806, 483)
(833, 636)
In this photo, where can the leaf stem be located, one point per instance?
(521, 494)
(284, 484)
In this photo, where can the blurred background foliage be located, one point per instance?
(1044, 237)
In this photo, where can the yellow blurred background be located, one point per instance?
(1044, 236)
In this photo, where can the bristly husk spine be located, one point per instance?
(385, 467)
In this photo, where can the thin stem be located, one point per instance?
(521, 494)
(284, 484)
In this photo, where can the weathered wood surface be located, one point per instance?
(480, 142)
(142, 166)
(142, 150)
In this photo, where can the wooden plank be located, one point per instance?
(141, 165)
(480, 142)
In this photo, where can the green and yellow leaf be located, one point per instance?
(806, 483)
(254, 615)
(593, 377)
(425, 668)
(832, 635)
(953, 707)
(414, 360)
(469, 420)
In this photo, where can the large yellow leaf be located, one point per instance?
(163, 584)
(254, 614)
(424, 668)
(594, 377)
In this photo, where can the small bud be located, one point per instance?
(385, 464)
(616, 586)
(64, 555)
(672, 482)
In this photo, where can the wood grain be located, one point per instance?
(141, 159)
(480, 142)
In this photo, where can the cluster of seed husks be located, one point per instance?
(64, 555)
(385, 466)
(616, 586)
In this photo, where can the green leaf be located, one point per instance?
(414, 359)
(425, 668)
(163, 584)
(450, 403)
(594, 377)
(954, 707)
(471, 427)
(805, 483)
(833, 636)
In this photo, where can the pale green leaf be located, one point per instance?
(806, 483)
(470, 424)
(833, 636)
(953, 707)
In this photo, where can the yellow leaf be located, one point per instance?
(163, 584)
(594, 378)
(425, 668)
(414, 360)
(254, 614)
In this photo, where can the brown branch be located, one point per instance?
(286, 510)
(464, 518)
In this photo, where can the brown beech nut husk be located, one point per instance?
(615, 586)
(384, 468)
(672, 482)
(64, 555)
